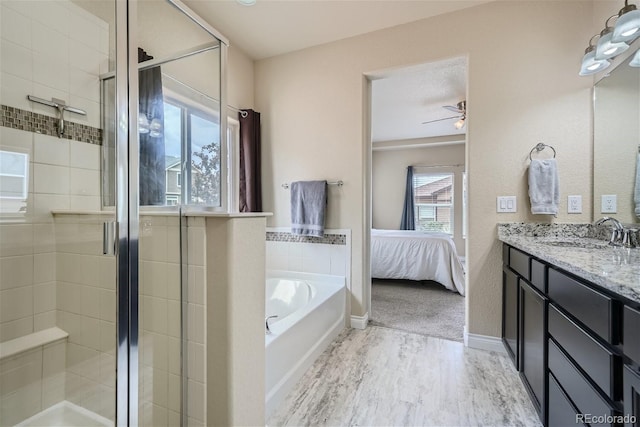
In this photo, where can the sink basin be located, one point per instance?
(576, 244)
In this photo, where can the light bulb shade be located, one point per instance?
(607, 49)
(591, 65)
(627, 27)
(459, 124)
(143, 124)
(635, 61)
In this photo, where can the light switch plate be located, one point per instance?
(506, 204)
(609, 203)
(574, 204)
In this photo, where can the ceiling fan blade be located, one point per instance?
(452, 108)
(439, 120)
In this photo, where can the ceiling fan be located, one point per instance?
(460, 108)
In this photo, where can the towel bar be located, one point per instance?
(338, 183)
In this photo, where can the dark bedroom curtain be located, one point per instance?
(250, 169)
(151, 131)
(408, 211)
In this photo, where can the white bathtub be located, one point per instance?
(311, 314)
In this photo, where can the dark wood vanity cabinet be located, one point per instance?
(510, 317)
(567, 343)
(524, 323)
(631, 371)
(533, 343)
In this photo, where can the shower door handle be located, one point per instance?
(109, 231)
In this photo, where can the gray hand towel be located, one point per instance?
(308, 202)
(544, 190)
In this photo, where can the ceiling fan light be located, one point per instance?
(591, 65)
(606, 49)
(460, 123)
(628, 24)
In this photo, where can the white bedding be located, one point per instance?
(415, 255)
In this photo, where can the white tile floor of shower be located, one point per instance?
(386, 377)
(66, 414)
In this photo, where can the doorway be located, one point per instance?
(418, 134)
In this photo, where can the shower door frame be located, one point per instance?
(127, 207)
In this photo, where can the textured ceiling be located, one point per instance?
(274, 27)
(408, 97)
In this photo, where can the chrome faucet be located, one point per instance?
(617, 230)
(266, 323)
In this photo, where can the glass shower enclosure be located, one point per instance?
(101, 275)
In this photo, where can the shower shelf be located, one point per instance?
(31, 341)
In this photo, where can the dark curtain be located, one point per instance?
(250, 182)
(151, 131)
(408, 213)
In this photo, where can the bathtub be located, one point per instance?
(311, 314)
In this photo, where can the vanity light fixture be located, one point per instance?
(635, 61)
(628, 23)
(606, 48)
(591, 65)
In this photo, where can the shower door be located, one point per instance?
(101, 304)
(58, 276)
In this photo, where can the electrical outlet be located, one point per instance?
(609, 203)
(574, 204)
(506, 204)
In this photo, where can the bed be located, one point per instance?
(416, 255)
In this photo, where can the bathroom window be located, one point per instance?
(193, 153)
(14, 181)
(433, 201)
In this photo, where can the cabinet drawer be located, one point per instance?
(630, 342)
(597, 361)
(584, 396)
(589, 306)
(519, 262)
(561, 411)
(538, 275)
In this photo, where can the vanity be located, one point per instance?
(571, 322)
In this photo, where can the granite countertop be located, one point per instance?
(574, 249)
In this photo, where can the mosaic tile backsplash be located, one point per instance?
(328, 239)
(17, 118)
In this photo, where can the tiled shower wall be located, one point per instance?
(49, 49)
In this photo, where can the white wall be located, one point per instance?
(389, 178)
(523, 88)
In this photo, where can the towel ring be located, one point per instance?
(539, 147)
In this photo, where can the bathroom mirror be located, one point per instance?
(616, 136)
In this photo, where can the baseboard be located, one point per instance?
(359, 322)
(484, 342)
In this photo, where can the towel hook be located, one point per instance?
(539, 147)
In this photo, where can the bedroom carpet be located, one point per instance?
(424, 308)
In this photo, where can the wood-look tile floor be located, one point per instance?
(386, 377)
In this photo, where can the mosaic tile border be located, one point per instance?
(16, 118)
(328, 239)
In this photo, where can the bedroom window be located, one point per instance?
(433, 201)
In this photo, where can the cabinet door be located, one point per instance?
(510, 314)
(631, 397)
(533, 342)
